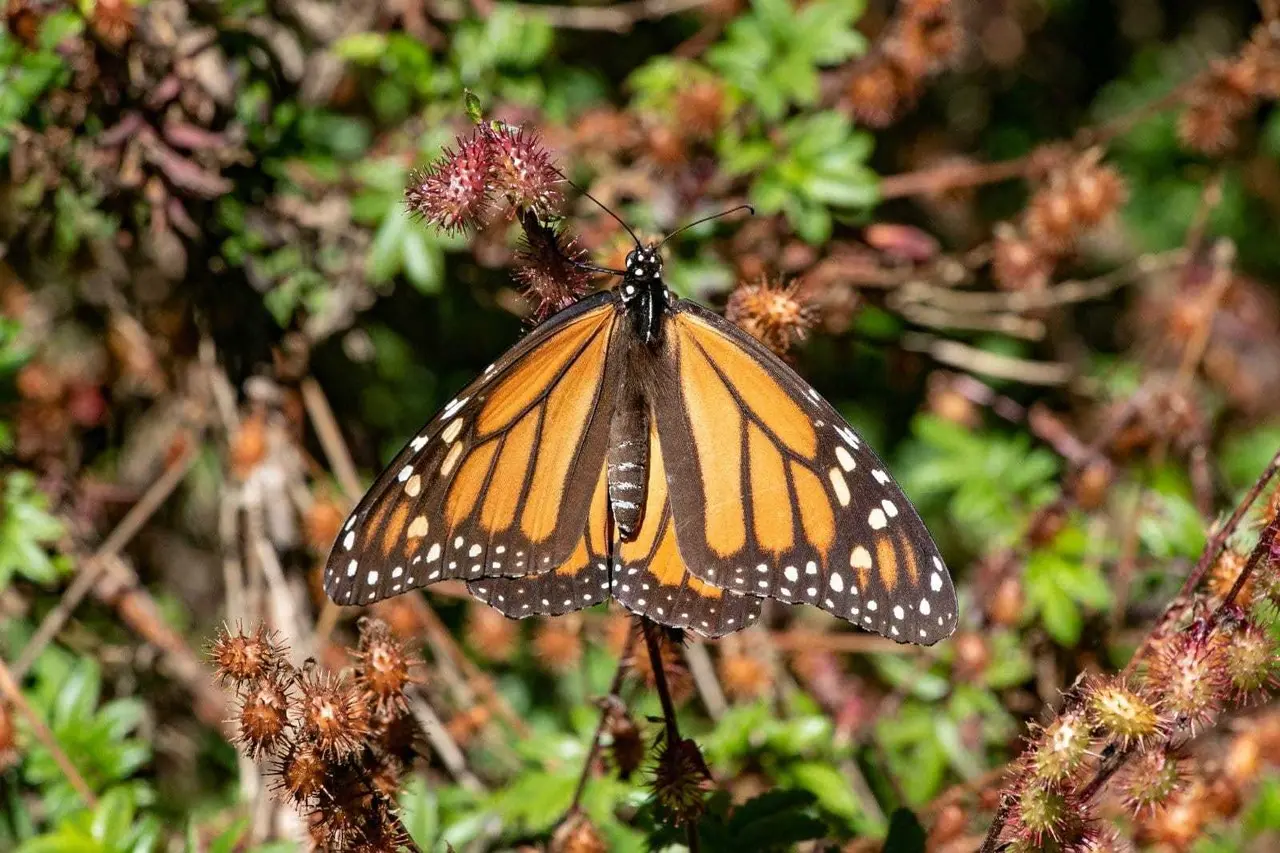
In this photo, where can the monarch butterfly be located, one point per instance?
(640, 447)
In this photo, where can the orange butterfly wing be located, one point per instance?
(500, 483)
(774, 495)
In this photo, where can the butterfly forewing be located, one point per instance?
(580, 581)
(774, 495)
(501, 481)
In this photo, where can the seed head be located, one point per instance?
(557, 643)
(383, 667)
(877, 92)
(1061, 748)
(626, 746)
(302, 772)
(1186, 674)
(264, 717)
(241, 658)
(680, 780)
(523, 172)
(1018, 263)
(453, 193)
(1250, 656)
(1150, 780)
(1042, 814)
(1121, 713)
(547, 265)
(331, 714)
(776, 315)
(745, 676)
(577, 835)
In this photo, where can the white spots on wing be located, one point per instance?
(791, 574)
(451, 431)
(371, 578)
(840, 487)
(457, 543)
(811, 568)
(935, 582)
(876, 519)
(451, 459)
(501, 549)
(405, 473)
(414, 487)
(836, 582)
(764, 584)
(762, 568)
(937, 562)
(350, 522)
(860, 558)
(924, 607)
(850, 437)
(898, 612)
(433, 553)
(397, 572)
(475, 550)
(418, 527)
(349, 540)
(845, 458)
(351, 568)
(812, 592)
(881, 477)
(453, 407)
(871, 605)
(817, 398)
(889, 508)
(418, 443)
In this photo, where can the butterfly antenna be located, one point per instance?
(601, 205)
(722, 213)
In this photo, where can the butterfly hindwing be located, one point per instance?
(652, 580)
(773, 494)
(500, 482)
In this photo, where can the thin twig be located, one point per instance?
(9, 687)
(704, 678)
(442, 742)
(606, 708)
(989, 363)
(91, 569)
(1212, 551)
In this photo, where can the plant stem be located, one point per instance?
(653, 642)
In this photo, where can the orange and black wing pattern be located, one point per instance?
(652, 580)
(580, 581)
(772, 494)
(502, 481)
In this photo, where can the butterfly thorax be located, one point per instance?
(644, 296)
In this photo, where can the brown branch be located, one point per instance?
(606, 706)
(652, 641)
(9, 687)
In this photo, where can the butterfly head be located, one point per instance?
(644, 264)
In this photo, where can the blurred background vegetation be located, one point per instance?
(1040, 241)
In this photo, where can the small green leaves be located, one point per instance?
(816, 164)
(773, 55)
(27, 530)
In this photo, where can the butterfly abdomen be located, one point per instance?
(628, 461)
